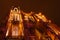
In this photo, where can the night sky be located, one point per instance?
(50, 8)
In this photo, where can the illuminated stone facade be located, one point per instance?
(21, 23)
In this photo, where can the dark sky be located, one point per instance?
(51, 8)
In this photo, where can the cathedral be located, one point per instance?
(30, 26)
